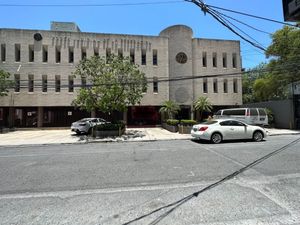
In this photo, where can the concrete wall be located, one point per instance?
(283, 111)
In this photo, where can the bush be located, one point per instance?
(110, 126)
(188, 122)
(172, 122)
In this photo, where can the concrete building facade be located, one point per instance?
(41, 63)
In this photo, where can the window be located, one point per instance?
(83, 53)
(31, 53)
(96, 51)
(262, 112)
(132, 60)
(57, 54)
(234, 112)
(83, 82)
(155, 85)
(204, 85)
(120, 53)
(44, 83)
(234, 60)
(215, 86)
(71, 54)
(45, 53)
(253, 112)
(144, 57)
(3, 52)
(30, 83)
(214, 59)
(224, 60)
(17, 82)
(108, 55)
(225, 86)
(154, 57)
(235, 86)
(71, 84)
(204, 59)
(17, 52)
(57, 83)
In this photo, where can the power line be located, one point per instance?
(254, 16)
(92, 5)
(182, 201)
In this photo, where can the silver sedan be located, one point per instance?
(227, 129)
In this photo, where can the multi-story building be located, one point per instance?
(181, 68)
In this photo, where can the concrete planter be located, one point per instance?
(185, 129)
(108, 133)
(170, 128)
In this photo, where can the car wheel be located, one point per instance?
(258, 136)
(216, 138)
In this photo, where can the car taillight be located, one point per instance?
(203, 128)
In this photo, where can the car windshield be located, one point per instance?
(84, 120)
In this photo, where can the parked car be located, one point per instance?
(253, 116)
(217, 130)
(85, 125)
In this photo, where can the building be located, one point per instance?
(41, 63)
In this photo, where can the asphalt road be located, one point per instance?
(115, 183)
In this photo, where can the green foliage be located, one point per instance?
(114, 85)
(110, 126)
(170, 108)
(272, 80)
(271, 118)
(5, 84)
(172, 122)
(188, 122)
(202, 104)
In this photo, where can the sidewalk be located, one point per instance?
(65, 136)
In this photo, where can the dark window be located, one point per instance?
(144, 57)
(236, 112)
(214, 59)
(205, 86)
(17, 52)
(83, 53)
(236, 123)
(45, 53)
(219, 112)
(253, 112)
(155, 57)
(262, 112)
(226, 123)
(30, 83)
(132, 60)
(215, 85)
(155, 85)
(57, 83)
(225, 86)
(17, 82)
(96, 51)
(224, 60)
(71, 84)
(31, 53)
(3, 52)
(120, 53)
(58, 54)
(44, 83)
(234, 60)
(204, 59)
(235, 86)
(71, 54)
(108, 55)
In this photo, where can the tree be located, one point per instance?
(115, 84)
(5, 84)
(202, 104)
(170, 108)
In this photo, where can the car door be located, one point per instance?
(225, 128)
(238, 130)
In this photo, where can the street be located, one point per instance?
(116, 183)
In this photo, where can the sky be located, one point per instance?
(150, 19)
